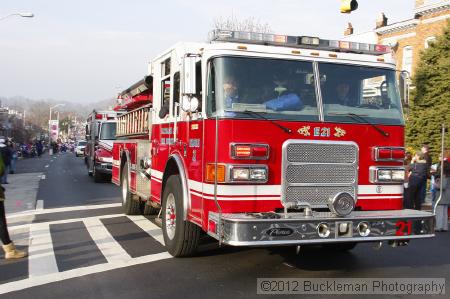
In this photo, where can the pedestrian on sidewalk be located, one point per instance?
(14, 156)
(6, 157)
(426, 155)
(442, 207)
(417, 178)
(8, 246)
(39, 148)
(407, 163)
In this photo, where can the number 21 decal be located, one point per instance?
(403, 228)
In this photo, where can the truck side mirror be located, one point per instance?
(189, 103)
(404, 83)
(189, 81)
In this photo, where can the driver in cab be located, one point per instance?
(343, 95)
(230, 90)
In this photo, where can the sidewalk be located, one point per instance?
(21, 192)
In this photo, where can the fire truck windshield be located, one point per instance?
(360, 90)
(282, 89)
(286, 90)
(108, 131)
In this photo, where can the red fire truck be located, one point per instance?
(262, 139)
(100, 134)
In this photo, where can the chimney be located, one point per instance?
(381, 21)
(349, 30)
(419, 3)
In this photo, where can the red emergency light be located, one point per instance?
(249, 151)
(389, 153)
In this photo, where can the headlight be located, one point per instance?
(398, 175)
(105, 159)
(238, 173)
(248, 173)
(386, 174)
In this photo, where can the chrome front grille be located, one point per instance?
(320, 173)
(321, 153)
(314, 171)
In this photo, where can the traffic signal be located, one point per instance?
(347, 6)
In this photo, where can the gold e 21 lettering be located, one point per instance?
(321, 132)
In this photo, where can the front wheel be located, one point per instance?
(130, 206)
(180, 236)
(98, 178)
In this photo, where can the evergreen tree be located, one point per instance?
(430, 106)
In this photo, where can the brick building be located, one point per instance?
(409, 37)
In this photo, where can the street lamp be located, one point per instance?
(51, 108)
(20, 14)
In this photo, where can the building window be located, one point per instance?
(429, 40)
(407, 58)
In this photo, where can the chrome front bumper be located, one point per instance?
(253, 229)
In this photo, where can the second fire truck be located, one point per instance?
(264, 140)
(100, 134)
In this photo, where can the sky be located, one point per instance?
(88, 50)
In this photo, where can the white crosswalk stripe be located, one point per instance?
(43, 264)
(41, 259)
(149, 227)
(109, 247)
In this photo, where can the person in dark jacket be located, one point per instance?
(6, 156)
(8, 246)
(426, 155)
(417, 177)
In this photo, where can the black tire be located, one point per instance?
(149, 210)
(129, 205)
(183, 239)
(345, 246)
(89, 168)
(98, 177)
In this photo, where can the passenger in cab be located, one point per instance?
(285, 100)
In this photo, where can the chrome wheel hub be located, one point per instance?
(171, 216)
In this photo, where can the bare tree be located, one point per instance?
(250, 24)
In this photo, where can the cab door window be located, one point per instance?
(176, 93)
(165, 88)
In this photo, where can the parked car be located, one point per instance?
(79, 149)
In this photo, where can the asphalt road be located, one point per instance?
(83, 247)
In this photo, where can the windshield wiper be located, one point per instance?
(260, 115)
(359, 118)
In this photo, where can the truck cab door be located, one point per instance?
(189, 130)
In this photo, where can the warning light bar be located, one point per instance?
(308, 42)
